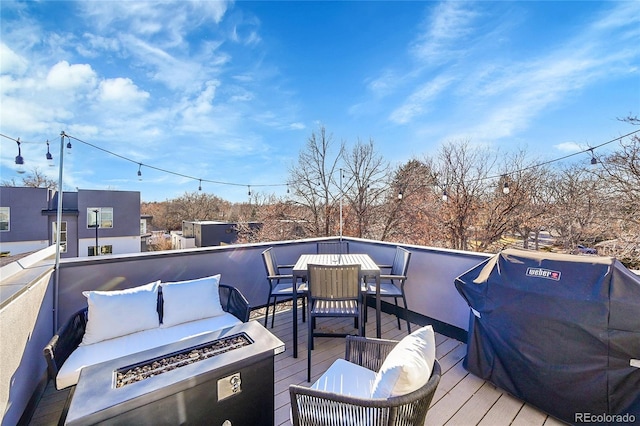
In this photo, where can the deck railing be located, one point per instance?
(27, 320)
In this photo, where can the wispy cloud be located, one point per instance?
(420, 100)
(444, 30)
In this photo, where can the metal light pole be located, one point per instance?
(56, 286)
(340, 204)
(96, 251)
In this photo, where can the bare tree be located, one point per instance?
(35, 179)
(367, 177)
(620, 174)
(462, 174)
(193, 206)
(510, 202)
(313, 181)
(412, 205)
(577, 203)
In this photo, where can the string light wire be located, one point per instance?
(217, 182)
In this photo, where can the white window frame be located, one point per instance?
(63, 235)
(105, 217)
(102, 250)
(5, 211)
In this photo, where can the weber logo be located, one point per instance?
(543, 273)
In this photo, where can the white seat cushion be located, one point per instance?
(347, 378)
(408, 366)
(106, 350)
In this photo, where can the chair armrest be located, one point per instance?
(393, 277)
(368, 352)
(286, 266)
(321, 408)
(65, 341)
(234, 302)
(280, 277)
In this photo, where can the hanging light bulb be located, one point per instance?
(49, 156)
(287, 188)
(19, 159)
(400, 195)
(249, 186)
(594, 161)
(200, 185)
(445, 197)
(139, 171)
(69, 147)
(505, 187)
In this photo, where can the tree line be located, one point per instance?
(465, 197)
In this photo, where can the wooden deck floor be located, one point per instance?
(461, 398)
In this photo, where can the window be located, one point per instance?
(63, 235)
(5, 214)
(105, 249)
(104, 216)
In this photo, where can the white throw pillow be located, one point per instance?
(190, 300)
(408, 366)
(120, 312)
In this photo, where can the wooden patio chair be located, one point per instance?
(280, 285)
(332, 247)
(392, 284)
(332, 291)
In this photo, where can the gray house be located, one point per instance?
(28, 221)
(208, 233)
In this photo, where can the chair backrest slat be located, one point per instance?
(269, 261)
(400, 261)
(333, 247)
(340, 282)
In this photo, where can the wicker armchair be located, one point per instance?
(317, 407)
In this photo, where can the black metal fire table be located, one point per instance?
(223, 377)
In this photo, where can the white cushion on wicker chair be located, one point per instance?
(408, 366)
(346, 378)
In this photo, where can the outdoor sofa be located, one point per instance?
(123, 322)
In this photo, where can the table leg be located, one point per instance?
(295, 317)
(378, 308)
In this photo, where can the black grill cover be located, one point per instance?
(561, 332)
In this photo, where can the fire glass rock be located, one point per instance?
(154, 367)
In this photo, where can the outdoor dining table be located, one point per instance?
(368, 270)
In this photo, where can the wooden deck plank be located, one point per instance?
(529, 415)
(503, 411)
(461, 398)
(473, 411)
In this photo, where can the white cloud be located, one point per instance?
(568, 147)
(297, 126)
(120, 90)
(12, 63)
(63, 76)
(419, 101)
(444, 29)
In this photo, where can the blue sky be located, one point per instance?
(230, 92)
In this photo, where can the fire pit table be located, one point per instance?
(222, 377)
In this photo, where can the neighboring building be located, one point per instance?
(28, 220)
(207, 233)
(145, 231)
